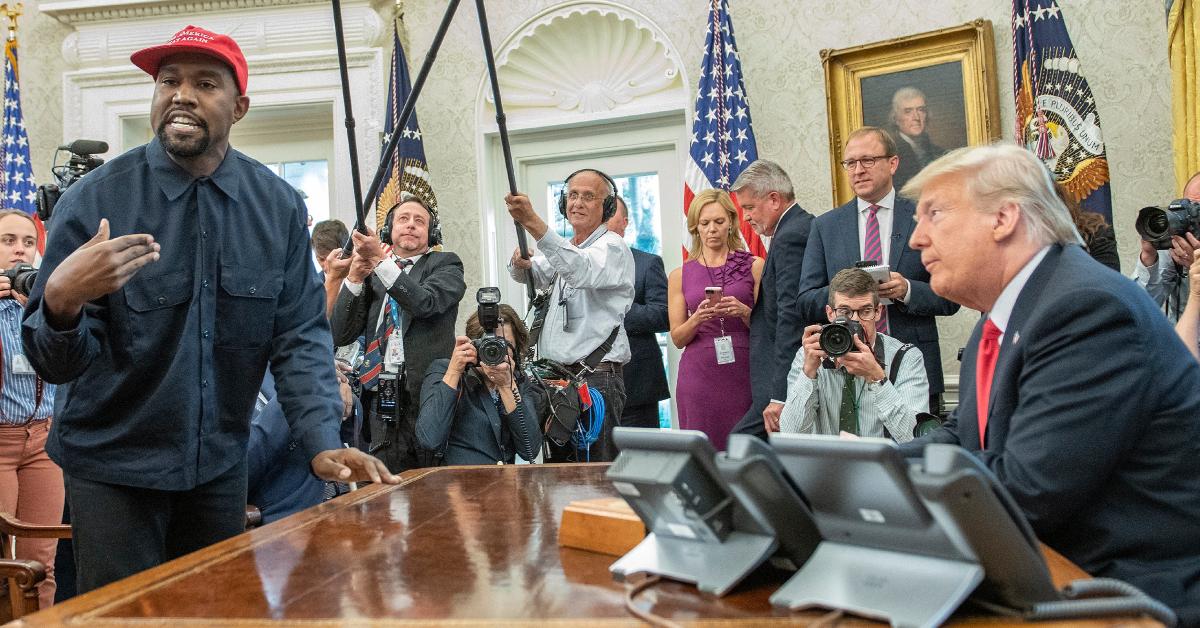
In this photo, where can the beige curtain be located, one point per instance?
(1183, 42)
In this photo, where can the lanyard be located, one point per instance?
(39, 386)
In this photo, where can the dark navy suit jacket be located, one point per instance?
(1094, 427)
(834, 245)
(645, 379)
(776, 326)
(279, 476)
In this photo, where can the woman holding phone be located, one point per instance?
(709, 300)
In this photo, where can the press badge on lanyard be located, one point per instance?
(21, 365)
(393, 359)
(724, 346)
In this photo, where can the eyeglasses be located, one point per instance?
(588, 197)
(867, 162)
(863, 314)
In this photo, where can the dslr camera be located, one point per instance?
(1157, 224)
(491, 349)
(21, 277)
(837, 338)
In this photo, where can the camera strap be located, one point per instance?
(589, 363)
(541, 305)
(894, 369)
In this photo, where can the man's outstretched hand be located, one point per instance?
(99, 267)
(351, 465)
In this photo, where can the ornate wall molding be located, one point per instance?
(267, 31)
(598, 59)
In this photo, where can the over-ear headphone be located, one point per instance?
(610, 201)
(435, 227)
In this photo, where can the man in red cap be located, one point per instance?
(176, 273)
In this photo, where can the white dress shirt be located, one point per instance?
(593, 289)
(1002, 309)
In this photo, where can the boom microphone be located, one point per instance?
(86, 147)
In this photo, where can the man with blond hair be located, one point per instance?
(1075, 391)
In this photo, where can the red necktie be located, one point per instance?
(985, 367)
(872, 249)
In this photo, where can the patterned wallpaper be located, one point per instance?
(1122, 46)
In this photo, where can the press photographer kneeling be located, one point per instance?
(476, 407)
(847, 378)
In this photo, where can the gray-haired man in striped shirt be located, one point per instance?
(877, 389)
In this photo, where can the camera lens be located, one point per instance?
(1154, 223)
(492, 350)
(836, 339)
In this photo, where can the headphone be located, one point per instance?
(435, 228)
(610, 201)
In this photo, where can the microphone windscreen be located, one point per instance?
(87, 147)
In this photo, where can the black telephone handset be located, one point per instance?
(970, 503)
(767, 495)
(966, 497)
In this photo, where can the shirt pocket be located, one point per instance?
(246, 306)
(153, 302)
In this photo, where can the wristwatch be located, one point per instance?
(878, 382)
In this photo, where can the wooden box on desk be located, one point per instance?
(607, 526)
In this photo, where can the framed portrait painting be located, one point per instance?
(933, 92)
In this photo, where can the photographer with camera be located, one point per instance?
(31, 485)
(476, 407)
(848, 378)
(1168, 247)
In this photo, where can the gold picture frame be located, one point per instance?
(954, 67)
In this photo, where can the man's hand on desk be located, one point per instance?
(351, 465)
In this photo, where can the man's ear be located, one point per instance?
(242, 106)
(829, 313)
(1006, 221)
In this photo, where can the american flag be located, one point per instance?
(407, 171)
(17, 189)
(722, 139)
(1056, 111)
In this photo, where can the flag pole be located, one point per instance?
(12, 13)
(501, 124)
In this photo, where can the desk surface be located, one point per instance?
(456, 545)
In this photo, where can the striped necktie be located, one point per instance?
(373, 358)
(872, 249)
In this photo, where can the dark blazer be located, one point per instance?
(645, 379)
(279, 478)
(466, 426)
(833, 245)
(910, 163)
(776, 326)
(428, 294)
(1094, 426)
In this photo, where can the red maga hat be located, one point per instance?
(200, 41)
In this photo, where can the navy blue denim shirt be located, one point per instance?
(160, 377)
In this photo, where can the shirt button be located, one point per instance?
(162, 300)
(204, 383)
(204, 333)
(253, 290)
(204, 283)
(203, 234)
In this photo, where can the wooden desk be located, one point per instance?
(472, 546)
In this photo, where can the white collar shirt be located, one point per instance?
(1003, 307)
(592, 291)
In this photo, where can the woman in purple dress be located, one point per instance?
(709, 301)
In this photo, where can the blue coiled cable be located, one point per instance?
(585, 436)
